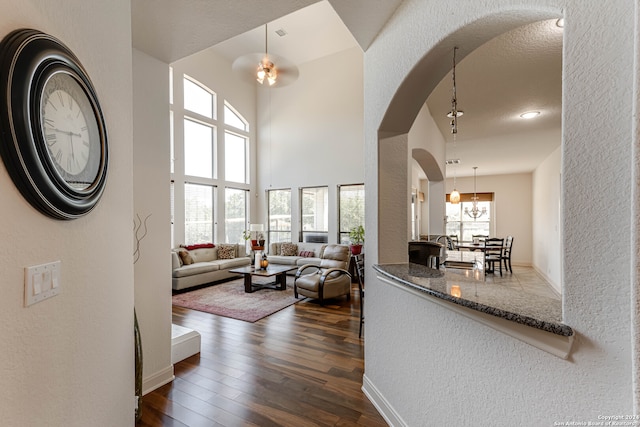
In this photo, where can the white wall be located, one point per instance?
(547, 242)
(69, 360)
(424, 134)
(427, 365)
(151, 206)
(512, 208)
(309, 136)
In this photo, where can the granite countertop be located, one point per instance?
(462, 288)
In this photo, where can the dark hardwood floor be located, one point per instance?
(301, 366)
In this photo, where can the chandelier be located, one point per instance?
(475, 212)
(454, 197)
(266, 69)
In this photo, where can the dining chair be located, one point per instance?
(480, 237)
(493, 251)
(506, 254)
(358, 261)
(447, 242)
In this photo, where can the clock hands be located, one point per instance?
(66, 132)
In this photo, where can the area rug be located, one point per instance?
(230, 300)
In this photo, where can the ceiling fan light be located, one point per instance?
(267, 70)
(261, 74)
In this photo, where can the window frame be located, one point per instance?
(219, 129)
(319, 236)
(465, 200)
(271, 231)
(343, 234)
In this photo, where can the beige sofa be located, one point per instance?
(207, 265)
(303, 254)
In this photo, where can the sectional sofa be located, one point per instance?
(201, 264)
(295, 254)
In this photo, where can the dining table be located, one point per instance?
(466, 260)
(470, 246)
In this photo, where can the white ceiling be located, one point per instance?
(170, 30)
(515, 72)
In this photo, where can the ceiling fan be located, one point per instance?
(266, 68)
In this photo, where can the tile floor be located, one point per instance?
(525, 279)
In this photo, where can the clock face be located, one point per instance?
(69, 128)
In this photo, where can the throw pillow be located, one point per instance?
(226, 251)
(199, 246)
(289, 249)
(186, 258)
(307, 254)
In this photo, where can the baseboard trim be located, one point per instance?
(157, 380)
(554, 285)
(382, 405)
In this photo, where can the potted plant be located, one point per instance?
(260, 239)
(246, 235)
(356, 235)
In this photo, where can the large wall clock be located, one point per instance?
(53, 137)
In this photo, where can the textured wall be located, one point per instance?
(152, 208)
(433, 367)
(68, 360)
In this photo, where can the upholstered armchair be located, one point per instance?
(328, 280)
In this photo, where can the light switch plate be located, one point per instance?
(41, 282)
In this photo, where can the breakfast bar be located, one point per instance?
(532, 318)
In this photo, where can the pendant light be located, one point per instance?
(475, 212)
(454, 197)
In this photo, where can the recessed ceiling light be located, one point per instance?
(452, 161)
(530, 114)
(560, 22)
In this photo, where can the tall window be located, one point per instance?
(198, 213)
(279, 222)
(199, 99)
(314, 214)
(198, 149)
(465, 226)
(351, 201)
(236, 145)
(235, 209)
(234, 119)
(235, 157)
(207, 153)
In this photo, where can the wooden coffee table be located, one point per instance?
(280, 271)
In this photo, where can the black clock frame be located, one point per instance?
(27, 58)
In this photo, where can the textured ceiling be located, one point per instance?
(518, 71)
